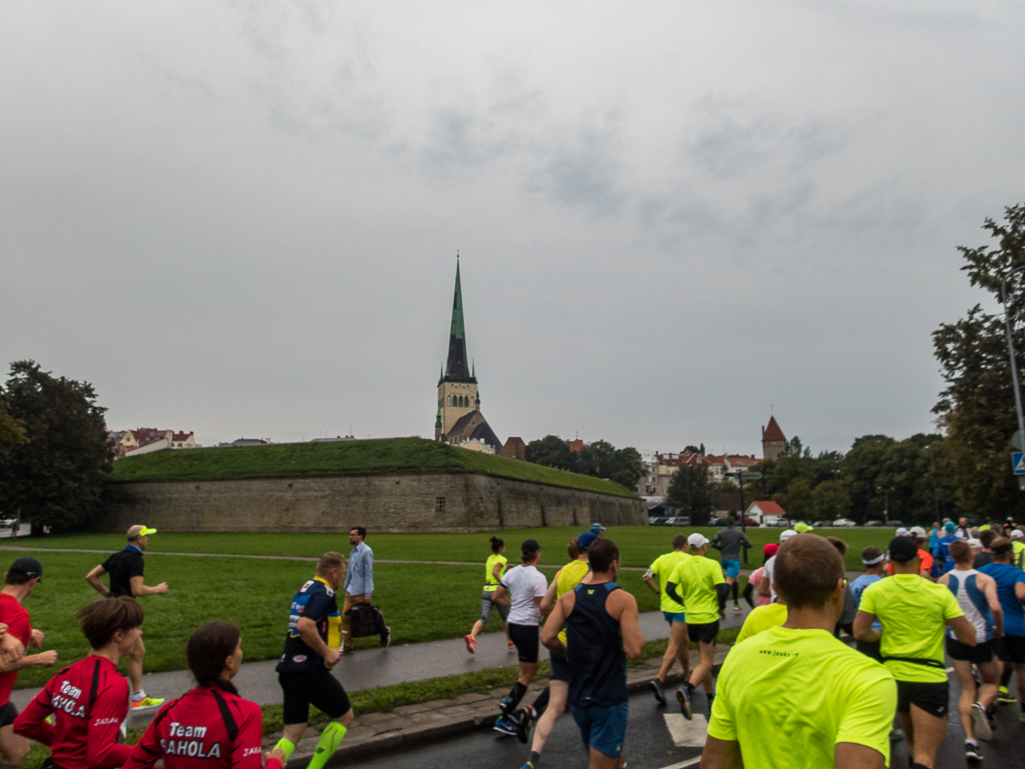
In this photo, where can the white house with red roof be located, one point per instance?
(766, 511)
(144, 440)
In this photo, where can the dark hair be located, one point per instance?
(870, 554)
(17, 577)
(208, 647)
(572, 550)
(839, 544)
(101, 619)
(986, 537)
(359, 530)
(730, 520)
(1001, 547)
(330, 560)
(602, 554)
(497, 544)
(960, 551)
(679, 542)
(807, 571)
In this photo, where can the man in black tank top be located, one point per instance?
(602, 630)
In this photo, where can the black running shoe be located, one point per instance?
(658, 690)
(522, 719)
(972, 752)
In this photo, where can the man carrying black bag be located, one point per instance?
(359, 585)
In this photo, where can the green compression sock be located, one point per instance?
(326, 746)
(286, 745)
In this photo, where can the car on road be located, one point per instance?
(660, 521)
(895, 523)
(718, 522)
(873, 523)
(844, 523)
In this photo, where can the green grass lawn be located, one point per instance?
(639, 545)
(370, 457)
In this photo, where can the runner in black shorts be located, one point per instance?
(312, 647)
(523, 589)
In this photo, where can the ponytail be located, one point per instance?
(206, 651)
(497, 544)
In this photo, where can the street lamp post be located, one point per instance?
(1010, 351)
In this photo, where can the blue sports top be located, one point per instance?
(972, 602)
(1007, 577)
(316, 601)
(858, 587)
(595, 642)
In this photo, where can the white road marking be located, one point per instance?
(682, 764)
(687, 734)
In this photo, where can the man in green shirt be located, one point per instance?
(678, 647)
(697, 583)
(914, 613)
(794, 696)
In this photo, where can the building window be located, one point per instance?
(439, 505)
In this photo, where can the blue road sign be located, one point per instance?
(1018, 462)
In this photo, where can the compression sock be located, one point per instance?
(1005, 677)
(515, 695)
(542, 701)
(535, 759)
(735, 589)
(327, 744)
(287, 746)
(749, 590)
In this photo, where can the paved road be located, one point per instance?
(371, 668)
(650, 744)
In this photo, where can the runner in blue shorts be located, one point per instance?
(728, 542)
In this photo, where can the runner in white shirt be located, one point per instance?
(522, 588)
(765, 588)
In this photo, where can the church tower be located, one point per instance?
(457, 387)
(774, 443)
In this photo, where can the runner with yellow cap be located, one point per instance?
(125, 568)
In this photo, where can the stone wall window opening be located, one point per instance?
(439, 505)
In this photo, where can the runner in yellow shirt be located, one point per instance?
(795, 696)
(698, 584)
(678, 648)
(551, 703)
(763, 618)
(494, 570)
(914, 613)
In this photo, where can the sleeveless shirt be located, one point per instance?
(596, 660)
(972, 602)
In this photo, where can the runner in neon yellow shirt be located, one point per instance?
(763, 618)
(914, 613)
(698, 584)
(795, 696)
(494, 570)
(678, 648)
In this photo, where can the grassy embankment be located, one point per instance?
(412, 456)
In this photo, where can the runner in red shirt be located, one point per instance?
(918, 534)
(210, 727)
(19, 582)
(88, 700)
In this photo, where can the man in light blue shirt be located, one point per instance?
(359, 585)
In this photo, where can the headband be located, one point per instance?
(874, 561)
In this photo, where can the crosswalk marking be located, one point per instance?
(682, 764)
(687, 734)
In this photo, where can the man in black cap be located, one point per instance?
(125, 568)
(523, 589)
(19, 582)
(915, 614)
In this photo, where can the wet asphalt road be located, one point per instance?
(649, 745)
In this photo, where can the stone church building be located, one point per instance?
(459, 420)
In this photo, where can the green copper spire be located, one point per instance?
(455, 369)
(437, 419)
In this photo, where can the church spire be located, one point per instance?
(456, 369)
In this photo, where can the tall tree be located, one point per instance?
(57, 477)
(691, 491)
(550, 451)
(977, 407)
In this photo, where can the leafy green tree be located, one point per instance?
(12, 431)
(550, 451)
(830, 500)
(691, 491)
(977, 407)
(600, 459)
(627, 467)
(57, 477)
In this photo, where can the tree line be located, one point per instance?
(600, 459)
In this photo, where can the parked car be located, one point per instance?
(844, 522)
(658, 521)
(896, 522)
(718, 522)
(873, 523)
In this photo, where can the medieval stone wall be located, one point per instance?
(443, 502)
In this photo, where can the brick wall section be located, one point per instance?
(381, 502)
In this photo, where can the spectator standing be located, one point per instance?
(125, 568)
(602, 630)
(19, 582)
(80, 710)
(359, 587)
(794, 696)
(673, 612)
(232, 728)
(729, 542)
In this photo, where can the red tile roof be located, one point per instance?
(772, 432)
(576, 445)
(770, 508)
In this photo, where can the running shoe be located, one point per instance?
(147, 702)
(471, 644)
(505, 725)
(971, 751)
(736, 607)
(528, 765)
(1004, 697)
(683, 695)
(387, 637)
(510, 646)
(980, 723)
(506, 706)
(522, 719)
(658, 690)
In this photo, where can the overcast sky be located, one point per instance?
(242, 218)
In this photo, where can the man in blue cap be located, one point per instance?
(944, 560)
(598, 530)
